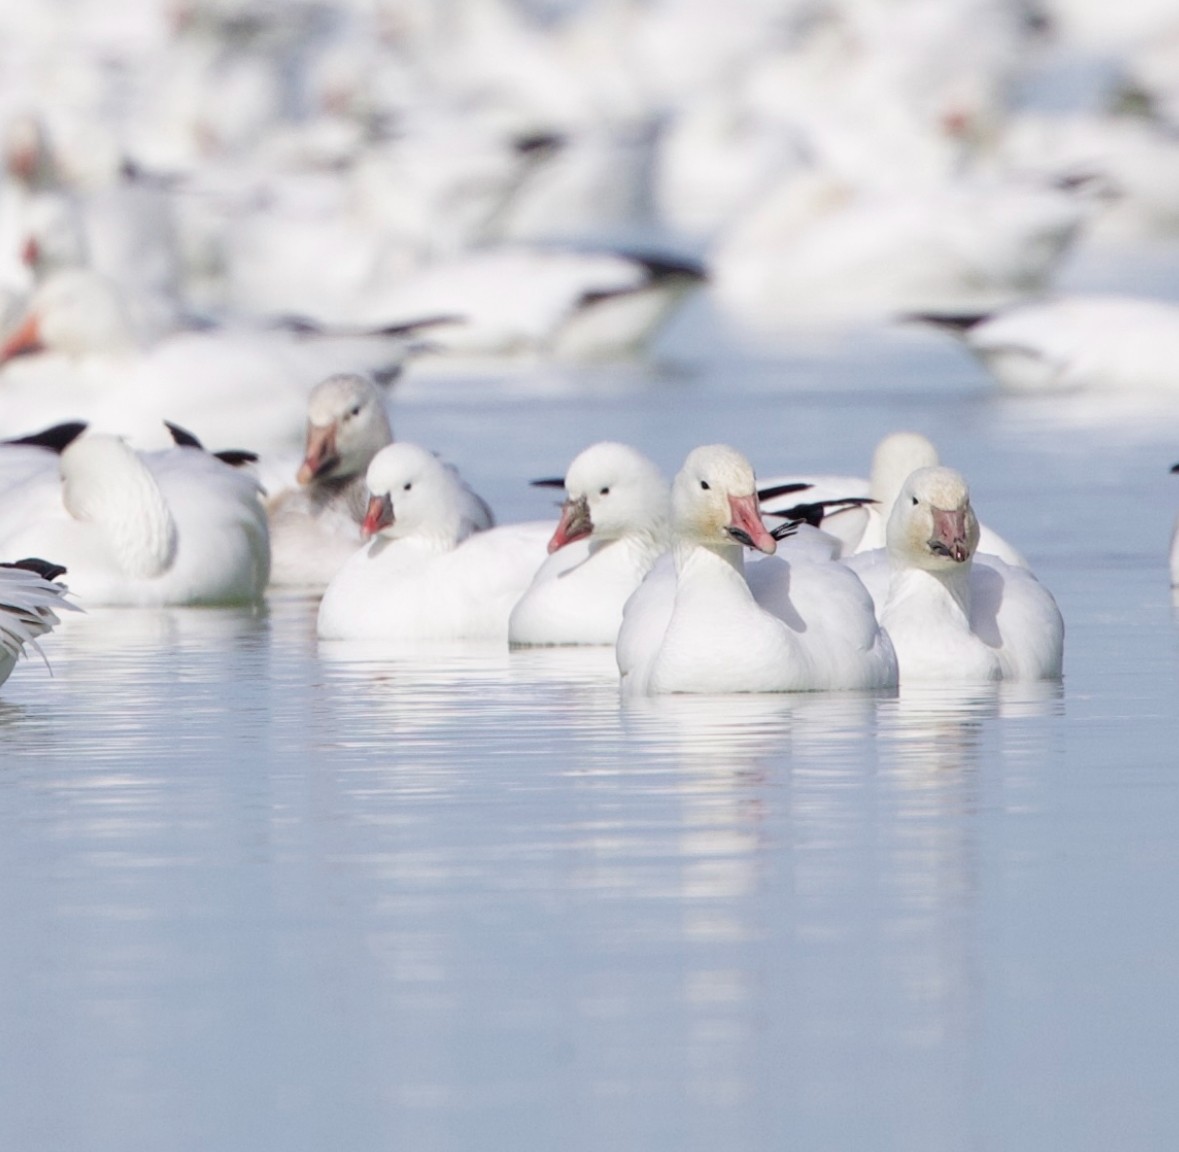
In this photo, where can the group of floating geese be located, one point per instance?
(470, 178)
(715, 583)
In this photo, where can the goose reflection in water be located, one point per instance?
(943, 726)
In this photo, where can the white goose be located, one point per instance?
(714, 627)
(75, 353)
(954, 615)
(426, 575)
(315, 527)
(1076, 343)
(30, 599)
(613, 527)
(861, 528)
(173, 527)
(564, 302)
(820, 250)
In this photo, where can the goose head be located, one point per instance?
(74, 311)
(714, 501)
(347, 425)
(896, 457)
(611, 491)
(412, 493)
(932, 524)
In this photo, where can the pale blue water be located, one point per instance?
(260, 894)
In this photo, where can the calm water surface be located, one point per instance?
(264, 894)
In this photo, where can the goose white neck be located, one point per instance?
(953, 582)
(693, 553)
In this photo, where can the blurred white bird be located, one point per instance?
(1075, 343)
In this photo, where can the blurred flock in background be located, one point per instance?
(374, 162)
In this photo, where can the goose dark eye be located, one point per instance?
(354, 411)
(604, 492)
(704, 485)
(915, 500)
(408, 486)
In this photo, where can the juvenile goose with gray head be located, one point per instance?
(316, 527)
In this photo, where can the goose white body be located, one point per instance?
(578, 594)
(518, 300)
(426, 575)
(705, 622)
(1081, 344)
(974, 619)
(412, 589)
(613, 528)
(174, 527)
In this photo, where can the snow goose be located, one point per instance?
(713, 626)
(1075, 343)
(563, 302)
(819, 249)
(861, 527)
(175, 527)
(425, 575)
(613, 527)
(76, 353)
(955, 615)
(315, 527)
(1130, 160)
(30, 599)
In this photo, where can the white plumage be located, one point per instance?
(1082, 343)
(246, 385)
(952, 613)
(713, 626)
(172, 527)
(862, 528)
(613, 527)
(316, 526)
(426, 575)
